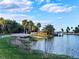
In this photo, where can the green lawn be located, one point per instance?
(9, 52)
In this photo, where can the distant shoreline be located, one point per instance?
(71, 33)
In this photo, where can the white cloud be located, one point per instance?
(25, 2)
(16, 5)
(56, 8)
(41, 1)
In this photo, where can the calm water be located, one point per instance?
(67, 45)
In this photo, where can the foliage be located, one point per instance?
(30, 26)
(76, 30)
(49, 29)
(25, 25)
(9, 26)
(62, 29)
(38, 25)
(67, 29)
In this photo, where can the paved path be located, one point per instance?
(16, 34)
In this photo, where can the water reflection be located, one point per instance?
(49, 45)
(66, 45)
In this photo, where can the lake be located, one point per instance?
(66, 45)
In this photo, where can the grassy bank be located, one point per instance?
(9, 52)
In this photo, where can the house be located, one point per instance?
(41, 34)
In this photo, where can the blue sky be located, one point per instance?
(60, 13)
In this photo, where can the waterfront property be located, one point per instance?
(40, 35)
(58, 34)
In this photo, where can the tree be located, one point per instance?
(78, 26)
(62, 29)
(13, 27)
(34, 28)
(9, 26)
(67, 29)
(25, 25)
(30, 24)
(38, 25)
(71, 27)
(49, 29)
(72, 30)
(1, 19)
(76, 30)
(2, 23)
(0, 29)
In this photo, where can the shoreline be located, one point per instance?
(37, 55)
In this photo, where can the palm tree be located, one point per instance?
(76, 30)
(72, 29)
(2, 23)
(30, 24)
(62, 30)
(78, 26)
(67, 29)
(25, 25)
(39, 25)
